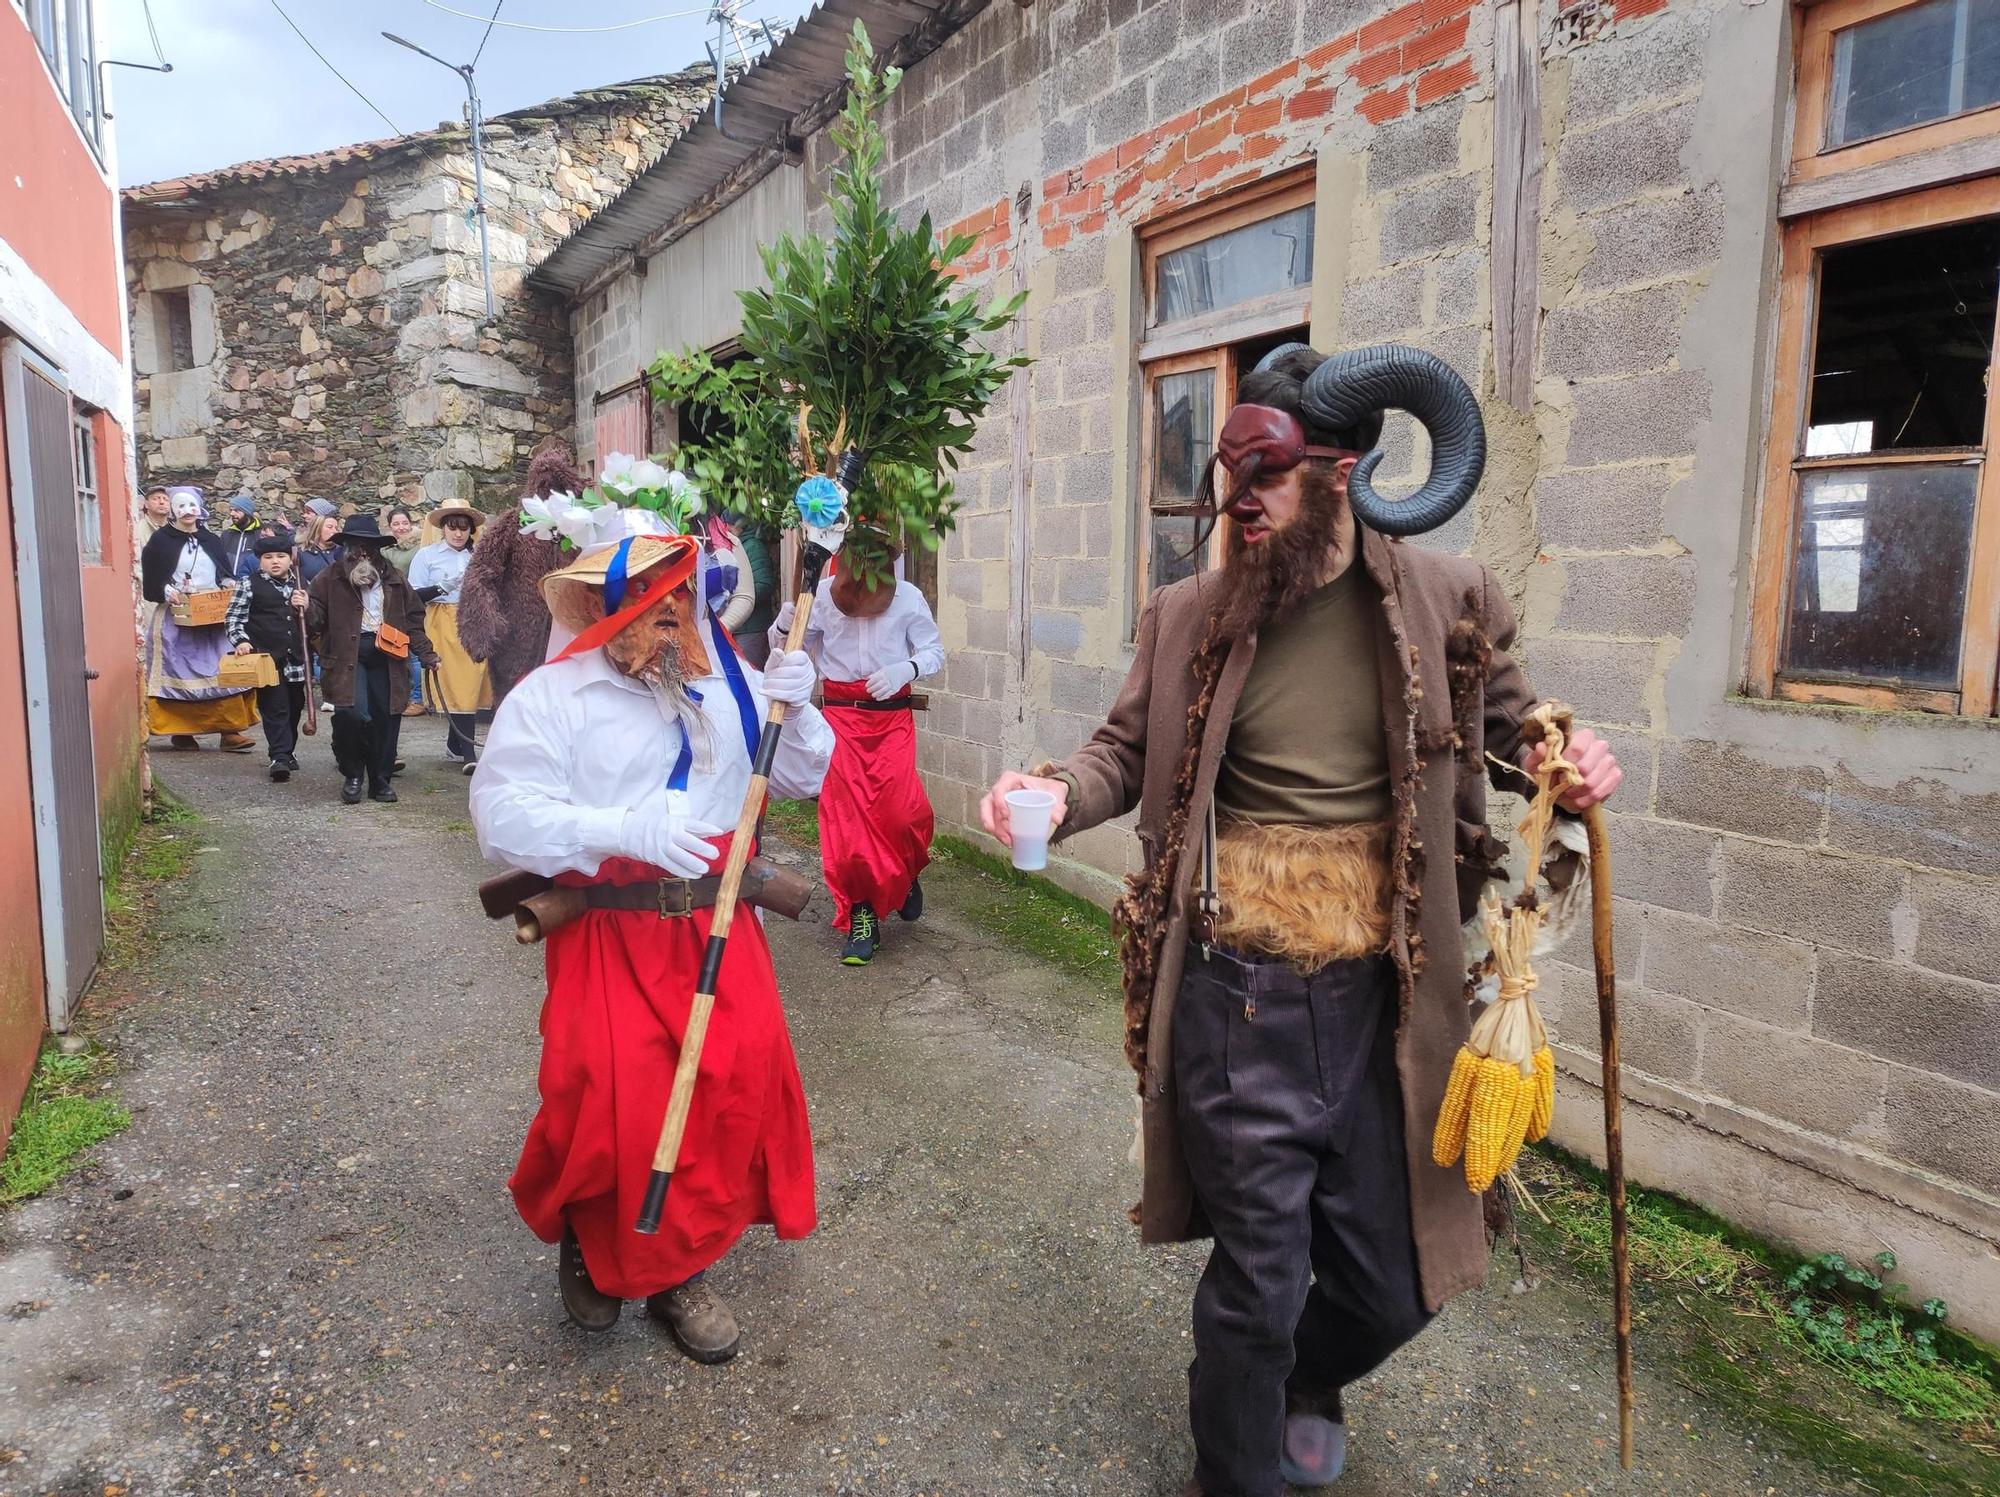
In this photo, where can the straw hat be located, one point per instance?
(574, 592)
(456, 509)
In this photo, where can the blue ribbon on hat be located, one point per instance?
(615, 578)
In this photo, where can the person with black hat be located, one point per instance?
(1301, 732)
(267, 615)
(367, 627)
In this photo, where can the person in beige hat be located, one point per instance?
(619, 767)
(459, 687)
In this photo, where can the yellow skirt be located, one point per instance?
(461, 683)
(233, 714)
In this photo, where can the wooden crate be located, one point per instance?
(246, 672)
(198, 609)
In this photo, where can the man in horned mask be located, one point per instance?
(618, 769)
(1305, 734)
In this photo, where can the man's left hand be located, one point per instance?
(299, 599)
(891, 680)
(1594, 761)
(431, 663)
(789, 677)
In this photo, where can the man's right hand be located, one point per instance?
(993, 809)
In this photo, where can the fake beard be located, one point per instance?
(1263, 582)
(363, 573)
(667, 677)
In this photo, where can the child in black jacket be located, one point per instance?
(267, 613)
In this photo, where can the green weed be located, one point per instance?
(1840, 1316)
(63, 1114)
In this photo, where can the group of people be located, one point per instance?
(1300, 733)
(366, 618)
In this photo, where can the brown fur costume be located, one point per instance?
(1309, 894)
(502, 619)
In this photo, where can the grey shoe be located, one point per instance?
(700, 1321)
(1315, 1448)
(587, 1305)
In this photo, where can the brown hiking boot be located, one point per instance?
(700, 1321)
(237, 743)
(589, 1307)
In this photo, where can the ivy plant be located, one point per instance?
(871, 343)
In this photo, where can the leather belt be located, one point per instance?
(669, 898)
(915, 701)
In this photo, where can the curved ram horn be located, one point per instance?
(1271, 358)
(1347, 386)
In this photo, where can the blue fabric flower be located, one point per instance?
(721, 584)
(819, 501)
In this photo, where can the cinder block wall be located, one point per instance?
(1809, 898)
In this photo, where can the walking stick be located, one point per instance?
(822, 541)
(311, 724)
(1614, 1128)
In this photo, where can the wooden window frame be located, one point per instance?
(1205, 342)
(86, 465)
(1811, 157)
(1803, 241)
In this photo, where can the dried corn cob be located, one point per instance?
(1545, 1095)
(1448, 1141)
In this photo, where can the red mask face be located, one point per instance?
(1269, 437)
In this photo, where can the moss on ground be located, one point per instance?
(160, 852)
(1718, 1305)
(65, 1111)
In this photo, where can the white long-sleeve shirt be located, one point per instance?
(440, 565)
(576, 745)
(851, 649)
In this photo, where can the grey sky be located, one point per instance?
(244, 86)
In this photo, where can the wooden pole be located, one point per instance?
(1614, 1128)
(674, 1126)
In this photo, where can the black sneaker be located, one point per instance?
(350, 790)
(913, 907)
(291, 762)
(279, 772)
(863, 936)
(386, 795)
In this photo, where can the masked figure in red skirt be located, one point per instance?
(620, 767)
(870, 644)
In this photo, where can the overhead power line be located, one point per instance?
(398, 129)
(493, 20)
(486, 35)
(153, 31)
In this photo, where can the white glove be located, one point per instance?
(658, 833)
(891, 679)
(789, 677)
(782, 625)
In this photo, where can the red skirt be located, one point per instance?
(621, 983)
(874, 818)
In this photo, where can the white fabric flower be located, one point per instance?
(617, 472)
(647, 474)
(536, 520)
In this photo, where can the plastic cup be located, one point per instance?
(1030, 814)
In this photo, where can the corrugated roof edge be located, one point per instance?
(699, 78)
(706, 169)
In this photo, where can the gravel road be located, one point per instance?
(300, 1271)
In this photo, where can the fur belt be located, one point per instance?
(1309, 894)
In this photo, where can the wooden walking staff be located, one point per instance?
(1597, 831)
(1614, 1126)
(822, 541)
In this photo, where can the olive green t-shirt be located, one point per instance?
(1306, 744)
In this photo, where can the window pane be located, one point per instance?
(1878, 587)
(1172, 555)
(1903, 342)
(1241, 265)
(1183, 433)
(1925, 62)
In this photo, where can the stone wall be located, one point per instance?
(1807, 896)
(338, 341)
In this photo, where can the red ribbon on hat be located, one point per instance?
(679, 569)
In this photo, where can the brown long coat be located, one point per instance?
(1436, 611)
(333, 618)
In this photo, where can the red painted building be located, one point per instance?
(70, 737)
